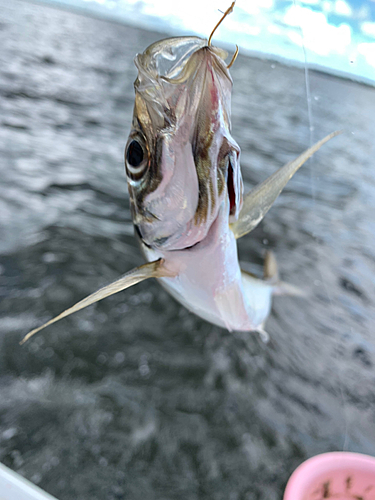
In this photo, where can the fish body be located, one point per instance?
(185, 217)
(186, 190)
(209, 281)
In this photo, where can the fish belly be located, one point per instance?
(258, 295)
(210, 283)
(243, 308)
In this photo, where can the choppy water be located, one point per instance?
(136, 397)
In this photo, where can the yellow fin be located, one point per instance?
(153, 269)
(260, 199)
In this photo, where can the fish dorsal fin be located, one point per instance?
(260, 199)
(155, 269)
(270, 270)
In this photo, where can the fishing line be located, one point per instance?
(313, 195)
(308, 99)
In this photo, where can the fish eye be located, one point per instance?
(134, 154)
(136, 159)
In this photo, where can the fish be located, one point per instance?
(186, 190)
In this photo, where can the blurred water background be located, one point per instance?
(135, 397)
(335, 35)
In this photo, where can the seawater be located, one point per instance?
(339, 35)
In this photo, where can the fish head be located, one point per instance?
(182, 162)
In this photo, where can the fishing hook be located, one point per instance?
(226, 13)
(234, 57)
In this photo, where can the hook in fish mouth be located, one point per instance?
(225, 14)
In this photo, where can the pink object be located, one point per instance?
(336, 476)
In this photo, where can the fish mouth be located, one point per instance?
(158, 242)
(232, 206)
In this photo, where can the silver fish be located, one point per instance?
(186, 190)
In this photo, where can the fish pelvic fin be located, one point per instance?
(271, 276)
(155, 269)
(264, 336)
(261, 198)
(282, 288)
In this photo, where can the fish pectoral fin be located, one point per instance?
(155, 269)
(260, 199)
